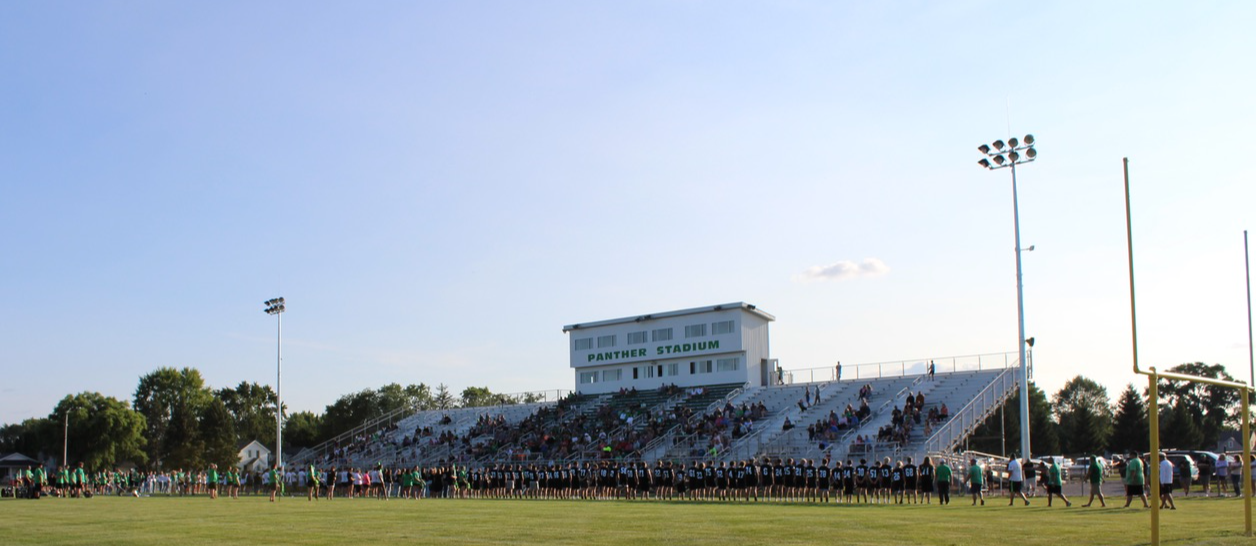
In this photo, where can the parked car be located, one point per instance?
(1175, 457)
(1081, 466)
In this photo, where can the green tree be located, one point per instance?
(218, 435)
(36, 438)
(184, 446)
(302, 430)
(990, 437)
(1211, 406)
(1130, 430)
(103, 431)
(252, 407)
(1178, 429)
(1085, 418)
(481, 396)
(443, 399)
(163, 395)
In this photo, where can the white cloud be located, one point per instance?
(843, 270)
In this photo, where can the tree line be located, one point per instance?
(1080, 419)
(175, 420)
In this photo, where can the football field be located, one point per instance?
(253, 520)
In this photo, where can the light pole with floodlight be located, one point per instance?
(276, 307)
(1001, 155)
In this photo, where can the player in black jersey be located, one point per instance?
(926, 480)
(896, 483)
(910, 483)
(848, 482)
(800, 479)
(874, 473)
(767, 479)
(862, 481)
(886, 468)
(881, 486)
(721, 481)
(752, 480)
(693, 478)
(823, 482)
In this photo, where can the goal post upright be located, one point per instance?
(1153, 395)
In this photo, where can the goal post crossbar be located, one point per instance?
(1153, 422)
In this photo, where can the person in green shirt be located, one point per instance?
(943, 473)
(1134, 481)
(211, 480)
(63, 482)
(1055, 484)
(276, 481)
(79, 480)
(311, 492)
(976, 479)
(1094, 475)
(39, 477)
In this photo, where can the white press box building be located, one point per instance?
(703, 346)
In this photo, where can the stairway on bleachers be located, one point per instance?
(795, 443)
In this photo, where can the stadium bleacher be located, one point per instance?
(713, 422)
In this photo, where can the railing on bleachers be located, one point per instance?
(899, 368)
(963, 422)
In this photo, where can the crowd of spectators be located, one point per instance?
(714, 432)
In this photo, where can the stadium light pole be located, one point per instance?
(276, 307)
(1000, 155)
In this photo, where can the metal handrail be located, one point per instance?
(961, 423)
(983, 362)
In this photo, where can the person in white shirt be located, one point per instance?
(1166, 483)
(1017, 477)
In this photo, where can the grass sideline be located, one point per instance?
(198, 520)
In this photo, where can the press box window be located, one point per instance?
(695, 330)
(612, 375)
(723, 327)
(605, 341)
(636, 338)
(584, 344)
(663, 334)
(726, 365)
(673, 369)
(588, 377)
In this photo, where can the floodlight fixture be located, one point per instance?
(998, 144)
(984, 148)
(984, 163)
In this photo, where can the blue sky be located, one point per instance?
(436, 187)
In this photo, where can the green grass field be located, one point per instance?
(253, 520)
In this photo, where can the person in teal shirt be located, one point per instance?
(276, 481)
(944, 482)
(211, 480)
(1134, 481)
(1094, 475)
(976, 479)
(1055, 484)
(311, 493)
